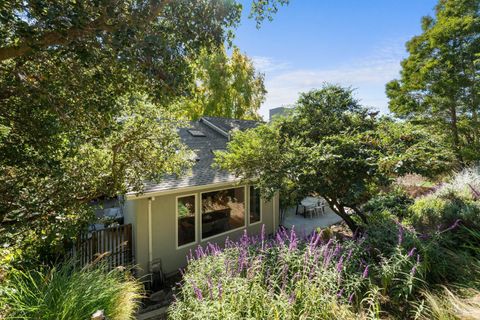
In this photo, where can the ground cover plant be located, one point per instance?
(397, 269)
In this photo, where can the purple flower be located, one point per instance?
(293, 240)
(411, 252)
(340, 293)
(210, 289)
(337, 250)
(400, 234)
(365, 272)
(349, 255)
(340, 264)
(414, 270)
(197, 291)
(350, 298)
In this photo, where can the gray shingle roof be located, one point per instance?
(202, 172)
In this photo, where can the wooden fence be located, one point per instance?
(112, 245)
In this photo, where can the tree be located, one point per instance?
(439, 85)
(332, 147)
(223, 87)
(84, 87)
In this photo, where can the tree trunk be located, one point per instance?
(361, 215)
(340, 211)
(454, 128)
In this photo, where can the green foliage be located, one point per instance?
(330, 146)
(223, 86)
(65, 292)
(440, 211)
(290, 278)
(83, 90)
(285, 277)
(439, 85)
(455, 200)
(265, 9)
(86, 89)
(395, 202)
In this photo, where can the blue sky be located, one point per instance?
(348, 42)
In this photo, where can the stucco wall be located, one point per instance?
(164, 233)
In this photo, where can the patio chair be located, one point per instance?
(310, 212)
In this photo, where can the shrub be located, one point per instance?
(66, 292)
(438, 212)
(395, 202)
(291, 278)
(464, 184)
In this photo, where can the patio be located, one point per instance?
(307, 225)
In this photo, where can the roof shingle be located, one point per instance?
(202, 172)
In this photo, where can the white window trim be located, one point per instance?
(261, 209)
(245, 191)
(186, 245)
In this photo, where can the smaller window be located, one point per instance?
(255, 211)
(185, 220)
(196, 133)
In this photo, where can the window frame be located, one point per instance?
(176, 221)
(261, 209)
(245, 191)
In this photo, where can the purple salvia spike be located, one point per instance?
(340, 264)
(365, 272)
(414, 270)
(411, 252)
(350, 298)
(337, 250)
(210, 287)
(349, 255)
(340, 293)
(400, 234)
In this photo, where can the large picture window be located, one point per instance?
(222, 211)
(255, 214)
(185, 220)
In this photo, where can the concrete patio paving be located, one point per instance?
(307, 225)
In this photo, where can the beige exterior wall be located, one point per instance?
(164, 240)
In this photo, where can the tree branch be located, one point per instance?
(65, 37)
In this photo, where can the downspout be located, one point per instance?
(150, 241)
(275, 212)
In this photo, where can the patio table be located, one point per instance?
(308, 202)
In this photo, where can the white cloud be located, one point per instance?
(367, 75)
(267, 64)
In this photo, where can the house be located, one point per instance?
(207, 205)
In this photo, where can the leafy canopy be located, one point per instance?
(223, 86)
(84, 87)
(331, 146)
(439, 85)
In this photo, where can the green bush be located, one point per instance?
(66, 292)
(395, 202)
(440, 212)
